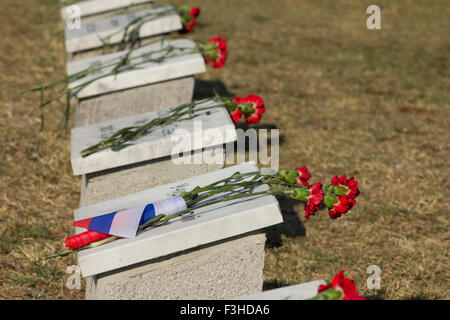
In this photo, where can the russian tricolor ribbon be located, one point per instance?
(125, 223)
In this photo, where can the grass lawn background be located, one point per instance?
(348, 100)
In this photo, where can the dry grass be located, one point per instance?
(374, 104)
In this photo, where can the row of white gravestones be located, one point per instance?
(211, 253)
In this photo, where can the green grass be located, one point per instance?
(347, 100)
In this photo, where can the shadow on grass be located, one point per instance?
(274, 284)
(205, 89)
(266, 126)
(379, 295)
(291, 226)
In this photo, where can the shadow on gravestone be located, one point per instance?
(291, 227)
(205, 89)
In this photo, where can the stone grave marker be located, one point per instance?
(90, 8)
(207, 128)
(302, 291)
(215, 252)
(177, 64)
(90, 33)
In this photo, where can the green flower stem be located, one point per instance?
(120, 137)
(228, 198)
(124, 64)
(131, 30)
(91, 245)
(283, 183)
(231, 184)
(226, 187)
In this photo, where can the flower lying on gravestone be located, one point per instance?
(188, 15)
(210, 50)
(341, 288)
(128, 222)
(252, 107)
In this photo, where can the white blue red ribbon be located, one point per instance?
(124, 223)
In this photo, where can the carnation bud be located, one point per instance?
(330, 201)
(247, 109)
(329, 294)
(288, 175)
(229, 104)
(300, 194)
(340, 191)
(208, 50)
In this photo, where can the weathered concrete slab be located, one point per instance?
(109, 184)
(203, 226)
(126, 103)
(301, 291)
(96, 7)
(220, 270)
(91, 33)
(178, 64)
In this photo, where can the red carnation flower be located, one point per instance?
(188, 15)
(315, 200)
(304, 176)
(346, 285)
(351, 185)
(187, 27)
(251, 106)
(343, 205)
(191, 24)
(236, 115)
(221, 47)
(194, 12)
(258, 106)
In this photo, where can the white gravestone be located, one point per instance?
(179, 63)
(95, 7)
(208, 128)
(303, 291)
(202, 226)
(90, 34)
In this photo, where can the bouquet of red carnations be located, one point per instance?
(338, 197)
